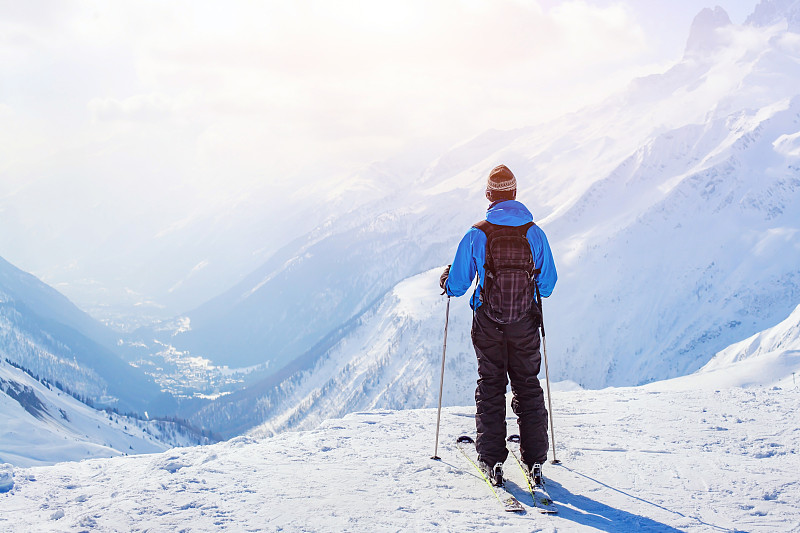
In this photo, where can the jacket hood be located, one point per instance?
(509, 213)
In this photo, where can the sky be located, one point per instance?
(220, 94)
(141, 114)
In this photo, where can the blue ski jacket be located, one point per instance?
(471, 254)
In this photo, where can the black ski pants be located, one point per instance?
(509, 351)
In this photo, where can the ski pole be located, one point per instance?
(441, 382)
(555, 461)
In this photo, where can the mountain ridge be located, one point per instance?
(672, 215)
(41, 330)
(43, 425)
(695, 143)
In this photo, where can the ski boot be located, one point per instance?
(536, 475)
(493, 474)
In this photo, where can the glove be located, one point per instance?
(443, 278)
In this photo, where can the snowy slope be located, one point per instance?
(42, 331)
(47, 303)
(389, 359)
(41, 425)
(634, 459)
(771, 357)
(672, 210)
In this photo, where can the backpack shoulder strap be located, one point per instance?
(485, 226)
(523, 232)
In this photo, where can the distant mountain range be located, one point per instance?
(672, 209)
(65, 391)
(44, 333)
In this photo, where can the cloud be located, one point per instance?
(589, 34)
(260, 88)
(145, 108)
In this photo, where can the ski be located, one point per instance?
(466, 445)
(541, 498)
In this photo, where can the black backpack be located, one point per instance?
(509, 288)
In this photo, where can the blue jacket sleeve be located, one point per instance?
(464, 268)
(543, 259)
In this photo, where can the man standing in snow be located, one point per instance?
(509, 254)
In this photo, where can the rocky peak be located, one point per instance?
(704, 36)
(769, 12)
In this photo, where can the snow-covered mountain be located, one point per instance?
(672, 210)
(388, 358)
(662, 457)
(781, 12)
(44, 425)
(704, 36)
(769, 357)
(44, 333)
(159, 252)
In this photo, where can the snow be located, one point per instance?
(783, 12)
(413, 296)
(64, 429)
(634, 459)
(389, 359)
(770, 358)
(44, 333)
(6, 477)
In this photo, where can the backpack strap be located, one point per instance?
(525, 227)
(524, 232)
(487, 228)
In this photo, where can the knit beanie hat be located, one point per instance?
(501, 179)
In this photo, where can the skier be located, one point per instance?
(505, 326)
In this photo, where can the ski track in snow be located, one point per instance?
(634, 459)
